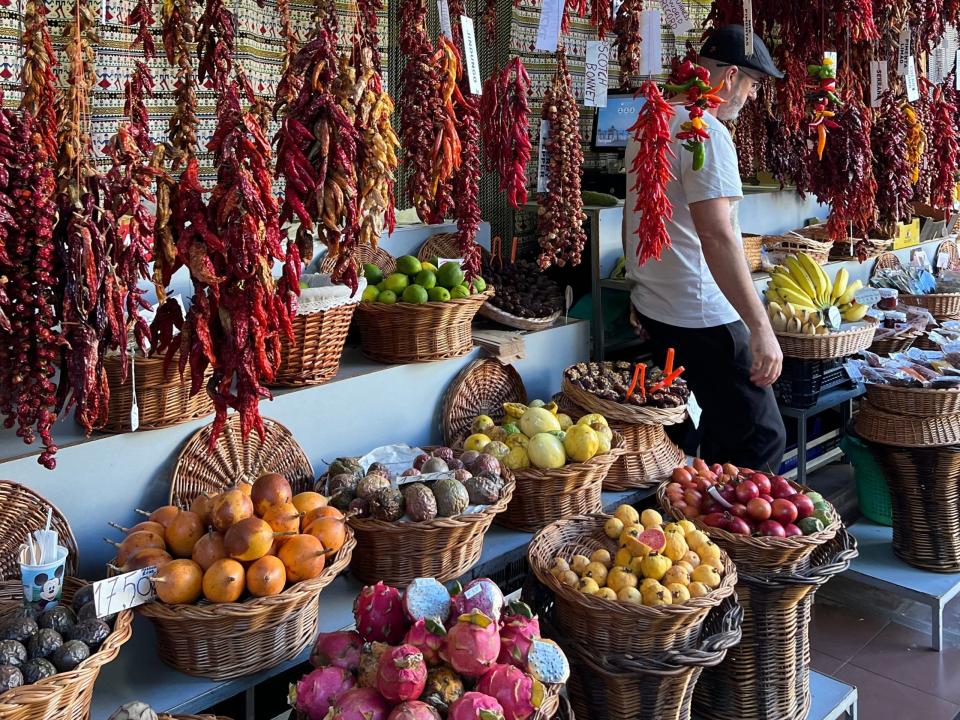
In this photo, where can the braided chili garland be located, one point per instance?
(505, 122)
(693, 82)
(946, 162)
(891, 166)
(626, 28)
(823, 101)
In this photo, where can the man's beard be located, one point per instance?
(729, 113)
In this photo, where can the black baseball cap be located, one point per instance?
(726, 45)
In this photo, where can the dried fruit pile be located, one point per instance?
(524, 291)
(625, 383)
(415, 653)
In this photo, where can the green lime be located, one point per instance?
(435, 261)
(408, 265)
(428, 266)
(382, 285)
(387, 297)
(415, 294)
(438, 294)
(370, 294)
(396, 282)
(372, 273)
(460, 291)
(426, 279)
(479, 284)
(449, 275)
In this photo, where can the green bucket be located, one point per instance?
(872, 491)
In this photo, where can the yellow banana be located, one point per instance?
(773, 296)
(789, 310)
(839, 285)
(823, 330)
(787, 282)
(774, 307)
(854, 312)
(801, 301)
(800, 277)
(818, 277)
(847, 297)
(793, 325)
(779, 321)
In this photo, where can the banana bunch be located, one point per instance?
(790, 319)
(801, 284)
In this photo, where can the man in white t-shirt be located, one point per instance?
(699, 298)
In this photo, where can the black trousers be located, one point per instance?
(741, 422)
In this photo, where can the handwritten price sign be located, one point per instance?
(596, 73)
(124, 591)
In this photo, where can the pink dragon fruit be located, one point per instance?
(473, 644)
(340, 649)
(518, 630)
(401, 674)
(316, 692)
(479, 594)
(475, 706)
(426, 598)
(378, 611)
(428, 636)
(359, 704)
(414, 710)
(518, 693)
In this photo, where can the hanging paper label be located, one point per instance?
(904, 51)
(650, 61)
(470, 50)
(879, 83)
(913, 89)
(596, 73)
(748, 28)
(956, 71)
(548, 34)
(124, 591)
(935, 64)
(443, 9)
(867, 296)
(676, 16)
(543, 180)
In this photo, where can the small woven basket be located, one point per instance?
(481, 388)
(439, 245)
(824, 347)
(950, 249)
(66, 695)
(752, 245)
(943, 306)
(489, 311)
(877, 426)
(767, 676)
(925, 499)
(784, 245)
(443, 548)
(364, 254)
(230, 640)
(917, 402)
(759, 555)
(632, 414)
(163, 398)
(610, 627)
(900, 342)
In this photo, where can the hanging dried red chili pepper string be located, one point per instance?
(626, 28)
(505, 124)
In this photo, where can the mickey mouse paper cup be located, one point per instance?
(43, 584)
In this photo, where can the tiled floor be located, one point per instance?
(896, 673)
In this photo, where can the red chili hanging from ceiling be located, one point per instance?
(505, 124)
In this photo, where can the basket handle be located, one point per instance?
(838, 562)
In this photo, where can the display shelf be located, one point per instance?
(879, 567)
(842, 398)
(830, 699)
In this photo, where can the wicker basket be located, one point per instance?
(885, 428)
(824, 347)
(767, 676)
(652, 687)
(949, 248)
(441, 245)
(363, 254)
(230, 640)
(918, 402)
(818, 251)
(901, 342)
(925, 498)
(848, 249)
(443, 548)
(758, 555)
(193, 717)
(490, 312)
(633, 414)
(163, 397)
(943, 306)
(607, 627)
(67, 695)
(885, 261)
(752, 245)
(314, 355)
(545, 496)
(481, 388)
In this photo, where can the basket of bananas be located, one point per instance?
(813, 317)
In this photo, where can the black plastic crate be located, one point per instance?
(802, 382)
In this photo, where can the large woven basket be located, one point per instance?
(925, 497)
(901, 342)
(314, 355)
(898, 430)
(943, 306)
(752, 245)
(230, 640)
(918, 402)
(481, 388)
(767, 676)
(608, 627)
(759, 555)
(825, 347)
(163, 397)
(633, 414)
(443, 548)
(67, 695)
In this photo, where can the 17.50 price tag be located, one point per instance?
(124, 591)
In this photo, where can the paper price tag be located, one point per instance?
(936, 70)
(748, 28)
(956, 74)
(548, 33)
(867, 296)
(443, 261)
(879, 82)
(596, 73)
(470, 50)
(694, 410)
(443, 9)
(124, 591)
(651, 62)
(676, 16)
(943, 261)
(904, 51)
(543, 180)
(913, 89)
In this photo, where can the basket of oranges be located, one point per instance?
(242, 552)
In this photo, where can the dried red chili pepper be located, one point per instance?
(652, 173)
(946, 162)
(505, 124)
(577, 7)
(37, 76)
(560, 215)
(601, 16)
(626, 27)
(891, 167)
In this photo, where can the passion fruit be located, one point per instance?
(266, 576)
(179, 582)
(183, 532)
(202, 505)
(306, 501)
(224, 581)
(156, 557)
(303, 556)
(230, 508)
(283, 518)
(270, 489)
(331, 532)
(249, 539)
(164, 515)
(135, 542)
(208, 550)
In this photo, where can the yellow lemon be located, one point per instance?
(476, 442)
(581, 443)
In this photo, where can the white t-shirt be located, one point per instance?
(680, 289)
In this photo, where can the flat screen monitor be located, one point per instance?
(611, 124)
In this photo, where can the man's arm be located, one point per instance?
(723, 252)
